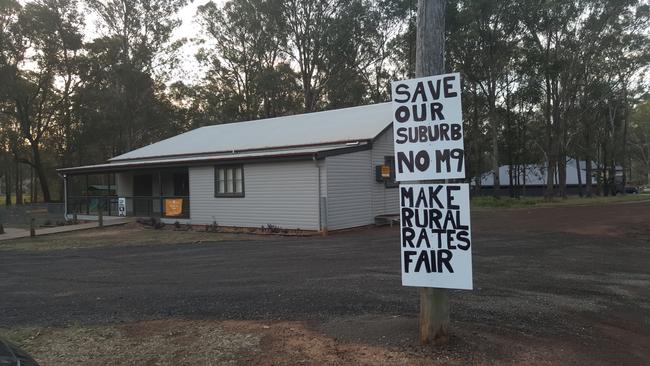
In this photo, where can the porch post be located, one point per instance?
(65, 197)
(87, 199)
(108, 193)
(161, 193)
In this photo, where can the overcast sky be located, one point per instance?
(190, 29)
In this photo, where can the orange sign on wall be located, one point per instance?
(385, 171)
(173, 206)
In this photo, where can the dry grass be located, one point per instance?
(164, 342)
(179, 342)
(129, 235)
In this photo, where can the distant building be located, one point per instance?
(308, 171)
(531, 179)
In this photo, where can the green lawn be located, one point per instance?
(509, 202)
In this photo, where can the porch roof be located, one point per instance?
(297, 153)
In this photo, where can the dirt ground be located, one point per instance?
(192, 342)
(628, 219)
(562, 285)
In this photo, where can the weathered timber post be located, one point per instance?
(430, 60)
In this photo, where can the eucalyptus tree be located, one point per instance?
(640, 140)
(46, 38)
(483, 48)
(245, 62)
(126, 70)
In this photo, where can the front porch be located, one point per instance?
(161, 193)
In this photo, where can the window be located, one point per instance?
(229, 181)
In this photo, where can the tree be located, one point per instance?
(485, 53)
(247, 71)
(126, 69)
(50, 29)
(640, 139)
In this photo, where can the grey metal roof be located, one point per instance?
(296, 152)
(335, 126)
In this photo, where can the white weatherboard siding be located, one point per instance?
(282, 194)
(349, 190)
(384, 200)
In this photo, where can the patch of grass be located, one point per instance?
(509, 202)
(114, 237)
(166, 342)
(505, 202)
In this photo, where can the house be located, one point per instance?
(312, 171)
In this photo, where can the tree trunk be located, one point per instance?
(35, 189)
(588, 176)
(523, 180)
(550, 142)
(19, 185)
(40, 172)
(308, 93)
(476, 143)
(8, 187)
(580, 192)
(602, 170)
(561, 175)
(624, 147)
(612, 172)
(494, 131)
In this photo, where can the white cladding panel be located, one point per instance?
(349, 190)
(384, 200)
(281, 194)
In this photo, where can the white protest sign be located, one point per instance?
(428, 128)
(436, 235)
(121, 206)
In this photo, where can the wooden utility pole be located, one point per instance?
(430, 60)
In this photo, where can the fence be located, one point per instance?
(136, 206)
(20, 215)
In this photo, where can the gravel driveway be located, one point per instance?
(549, 278)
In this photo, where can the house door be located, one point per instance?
(142, 188)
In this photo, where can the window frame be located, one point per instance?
(224, 167)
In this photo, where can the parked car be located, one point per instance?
(12, 355)
(631, 190)
(620, 189)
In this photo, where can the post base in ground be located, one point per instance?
(434, 316)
